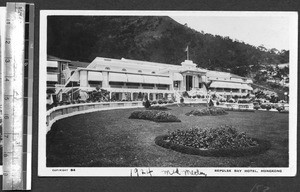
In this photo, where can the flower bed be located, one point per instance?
(239, 110)
(221, 141)
(207, 111)
(154, 115)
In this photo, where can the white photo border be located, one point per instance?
(2, 35)
(167, 171)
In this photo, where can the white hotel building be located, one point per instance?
(126, 79)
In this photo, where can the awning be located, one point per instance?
(95, 76)
(247, 87)
(165, 80)
(135, 78)
(52, 64)
(151, 79)
(177, 77)
(229, 85)
(117, 77)
(52, 77)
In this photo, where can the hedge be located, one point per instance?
(154, 115)
(207, 111)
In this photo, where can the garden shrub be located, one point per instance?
(154, 115)
(284, 111)
(160, 102)
(280, 109)
(256, 107)
(220, 141)
(243, 101)
(207, 111)
(181, 100)
(154, 102)
(170, 101)
(268, 107)
(147, 104)
(185, 94)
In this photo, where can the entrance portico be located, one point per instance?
(192, 80)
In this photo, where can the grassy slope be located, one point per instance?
(109, 138)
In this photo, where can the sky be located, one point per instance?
(270, 31)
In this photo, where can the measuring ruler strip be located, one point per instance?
(17, 108)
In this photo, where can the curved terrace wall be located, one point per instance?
(64, 111)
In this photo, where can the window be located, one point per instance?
(162, 86)
(133, 84)
(176, 84)
(63, 80)
(116, 83)
(200, 85)
(95, 83)
(63, 66)
(52, 69)
(147, 86)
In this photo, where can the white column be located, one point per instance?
(154, 96)
(131, 96)
(183, 85)
(105, 83)
(197, 81)
(83, 80)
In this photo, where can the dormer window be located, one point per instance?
(107, 68)
(124, 69)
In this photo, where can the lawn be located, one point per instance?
(110, 139)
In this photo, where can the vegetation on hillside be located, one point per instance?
(152, 38)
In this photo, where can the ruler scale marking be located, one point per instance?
(17, 107)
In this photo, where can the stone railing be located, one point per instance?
(236, 105)
(64, 111)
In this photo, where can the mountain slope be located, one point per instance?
(151, 38)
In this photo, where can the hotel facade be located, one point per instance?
(127, 80)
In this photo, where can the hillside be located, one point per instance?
(158, 39)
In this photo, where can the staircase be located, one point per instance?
(177, 95)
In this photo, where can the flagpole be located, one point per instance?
(187, 52)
